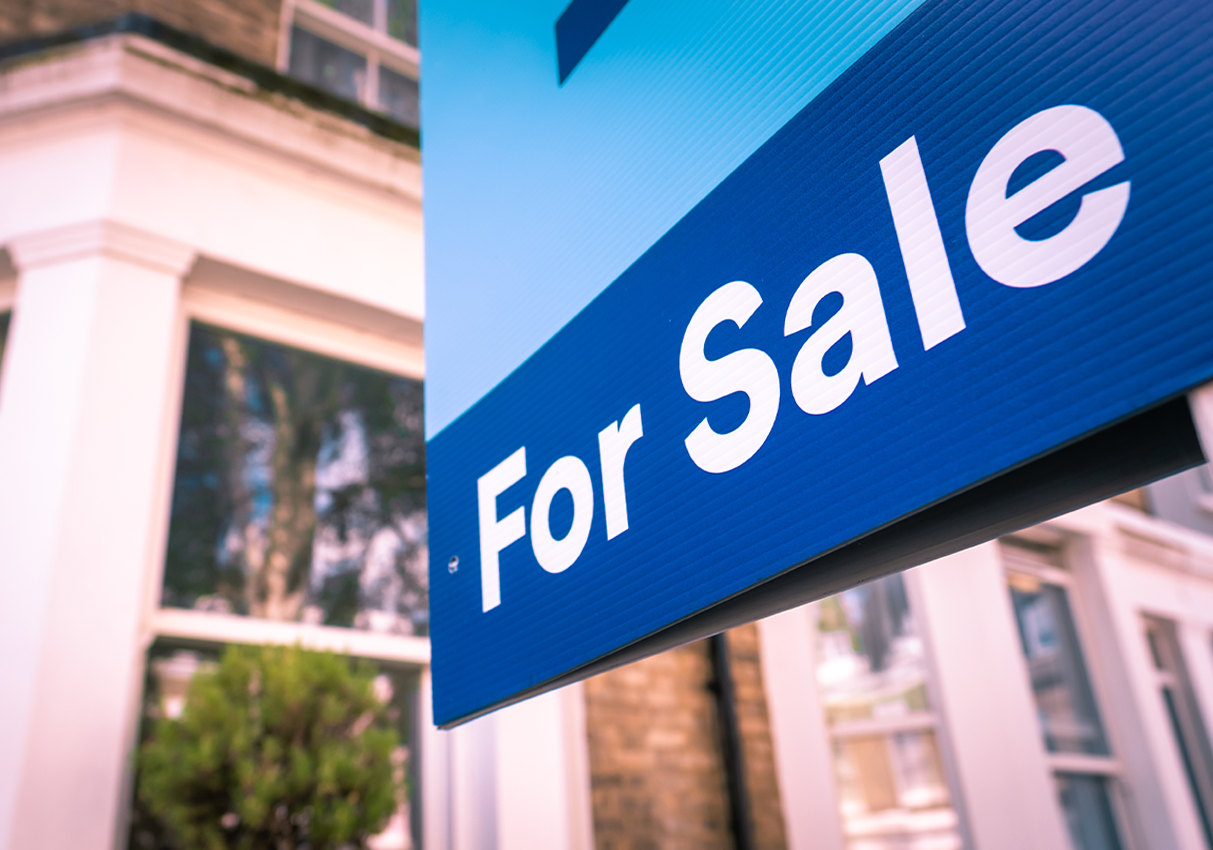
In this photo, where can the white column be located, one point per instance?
(543, 784)
(517, 779)
(980, 682)
(83, 411)
(803, 762)
(473, 791)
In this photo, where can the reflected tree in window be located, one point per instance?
(300, 489)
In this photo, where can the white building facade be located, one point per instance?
(148, 193)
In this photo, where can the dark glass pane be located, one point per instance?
(359, 10)
(326, 65)
(1190, 769)
(402, 20)
(4, 320)
(1065, 702)
(1088, 811)
(300, 489)
(170, 668)
(398, 96)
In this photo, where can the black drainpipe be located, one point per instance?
(722, 687)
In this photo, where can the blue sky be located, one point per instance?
(537, 196)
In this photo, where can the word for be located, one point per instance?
(1089, 147)
(567, 473)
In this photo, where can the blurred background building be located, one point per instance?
(211, 310)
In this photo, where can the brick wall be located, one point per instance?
(247, 27)
(656, 761)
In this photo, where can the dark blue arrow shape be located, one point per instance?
(579, 27)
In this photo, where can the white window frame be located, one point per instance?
(1108, 767)
(373, 42)
(281, 325)
(929, 720)
(1174, 675)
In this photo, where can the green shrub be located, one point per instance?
(277, 748)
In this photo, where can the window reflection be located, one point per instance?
(4, 320)
(402, 20)
(300, 489)
(326, 65)
(871, 671)
(359, 10)
(871, 660)
(1087, 810)
(1064, 700)
(398, 96)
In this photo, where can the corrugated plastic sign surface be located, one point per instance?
(988, 236)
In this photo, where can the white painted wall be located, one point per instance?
(126, 130)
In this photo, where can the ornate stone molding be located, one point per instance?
(101, 237)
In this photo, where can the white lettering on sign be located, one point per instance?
(748, 371)
(558, 554)
(861, 316)
(555, 555)
(496, 534)
(930, 276)
(613, 443)
(1090, 147)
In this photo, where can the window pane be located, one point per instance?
(171, 667)
(892, 792)
(402, 20)
(359, 10)
(871, 660)
(1088, 811)
(1065, 702)
(398, 96)
(4, 320)
(300, 489)
(326, 65)
(871, 668)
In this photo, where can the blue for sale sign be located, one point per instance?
(777, 279)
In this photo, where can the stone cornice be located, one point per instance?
(145, 73)
(100, 238)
